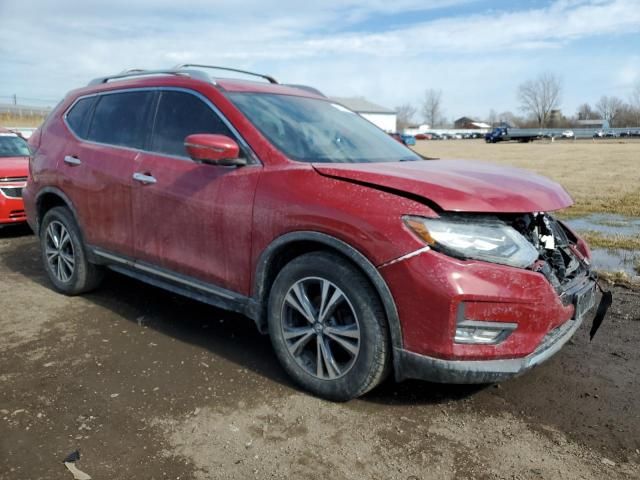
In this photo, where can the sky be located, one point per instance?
(388, 51)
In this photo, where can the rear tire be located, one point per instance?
(64, 255)
(328, 327)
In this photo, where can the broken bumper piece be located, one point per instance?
(422, 367)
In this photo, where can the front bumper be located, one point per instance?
(435, 294)
(422, 367)
(11, 207)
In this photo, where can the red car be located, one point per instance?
(14, 169)
(423, 136)
(359, 258)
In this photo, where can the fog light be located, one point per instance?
(466, 333)
(480, 333)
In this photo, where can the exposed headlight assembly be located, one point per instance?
(481, 238)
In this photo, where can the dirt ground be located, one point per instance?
(148, 385)
(602, 176)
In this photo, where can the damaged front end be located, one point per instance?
(565, 263)
(496, 322)
(532, 241)
(560, 260)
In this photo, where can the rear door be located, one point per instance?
(192, 218)
(97, 167)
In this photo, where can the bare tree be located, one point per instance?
(585, 112)
(405, 114)
(634, 101)
(432, 107)
(609, 108)
(627, 116)
(492, 119)
(510, 119)
(540, 96)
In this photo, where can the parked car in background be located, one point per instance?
(358, 257)
(397, 137)
(568, 134)
(14, 170)
(404, 138)
(408, 139)
(423, 136)
(598, 134)
(505, 134)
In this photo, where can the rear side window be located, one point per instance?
(179, 115)
(121, 119)
(79, 116)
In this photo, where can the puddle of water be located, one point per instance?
(607, 224)
(613, 260)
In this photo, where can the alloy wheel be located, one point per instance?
(320, 328)
(59, 251)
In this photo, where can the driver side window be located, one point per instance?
(179, 115)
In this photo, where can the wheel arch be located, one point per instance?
(291, 245)
(48, 198)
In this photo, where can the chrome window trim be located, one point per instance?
(253, 158)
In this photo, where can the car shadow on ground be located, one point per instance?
(14, 231)
(232, 336)
(418, 392)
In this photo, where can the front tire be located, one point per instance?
(64, 256)
(328, 327)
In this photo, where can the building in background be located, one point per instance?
(417, 129)
(598, 123)
(467, 123)
(383, 117)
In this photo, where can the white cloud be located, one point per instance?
(48, 47)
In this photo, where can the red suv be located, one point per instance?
(14, 168)
(357, 256)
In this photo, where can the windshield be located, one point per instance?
(13, 146)
(313, 130)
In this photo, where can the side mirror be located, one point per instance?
(214, 149)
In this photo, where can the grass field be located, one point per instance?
(9, 120)
(601, 176)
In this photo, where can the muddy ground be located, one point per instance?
(149, 385)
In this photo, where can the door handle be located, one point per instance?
(144, 178)
(71, 160)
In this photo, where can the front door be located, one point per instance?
(191, 218)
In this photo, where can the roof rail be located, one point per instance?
(138, 72)
(214, 67)
(307, 88)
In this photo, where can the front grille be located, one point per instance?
(16, 214)
(13, 179)
(12, 192)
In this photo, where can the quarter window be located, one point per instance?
(179, 115)
(121, 119)
(79, 116)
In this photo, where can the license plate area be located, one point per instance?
(584, 301)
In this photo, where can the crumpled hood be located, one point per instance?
(14, 167)
(458, 185)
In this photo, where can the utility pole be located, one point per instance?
(15, 99)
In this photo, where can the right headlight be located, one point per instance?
(485, 239)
